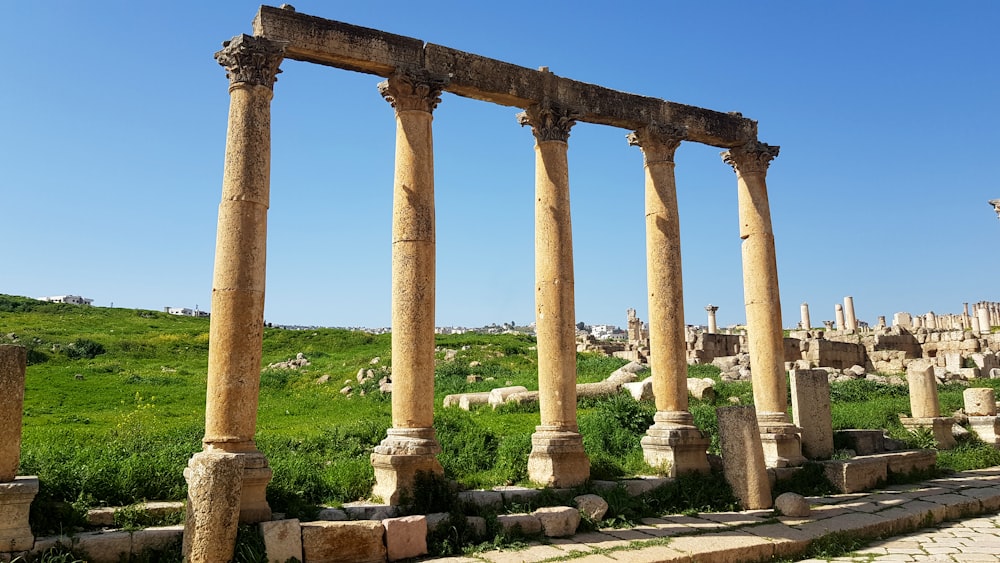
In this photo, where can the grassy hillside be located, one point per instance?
(115, 400)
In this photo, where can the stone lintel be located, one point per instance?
(332, 43)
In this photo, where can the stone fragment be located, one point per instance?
(702, 389)
(467, 400)
(792, 504)
(215, 485)
(558, 521)
(856, 474)
(640, 390)
(743, 456)
(282, 540)
(812, 413)
(405, 537)
(923, 390)
(980, 401)
(519, 524)
(360, 541)
(591, 506)
(499, 395)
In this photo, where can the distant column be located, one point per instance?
(410, 445)
(930, 321)
(850, 321)
(838, 314)
(557, 458)
(804, 311)
(966, 321)
(984, 319)
(782, 440)
(713, 326)
(673, 443)
(237, 323)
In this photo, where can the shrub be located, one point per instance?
(84, 349)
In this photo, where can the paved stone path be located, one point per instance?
(950, 519)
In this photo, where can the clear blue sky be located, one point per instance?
(113, 121)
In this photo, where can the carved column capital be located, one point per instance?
(549, 121)
(251, 60)
(412, 90)
(658, 142)
(754, 156)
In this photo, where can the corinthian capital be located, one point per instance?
(412, 90)
(751, 157)
(658, 142)
(251, 60)
(549, 121)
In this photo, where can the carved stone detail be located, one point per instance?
(412, 90)
(657, 141)
(251, 60)
(751, 157)
(549, 121)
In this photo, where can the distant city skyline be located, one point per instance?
(113, 140)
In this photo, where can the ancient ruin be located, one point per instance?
(417, 73)
(16, 492)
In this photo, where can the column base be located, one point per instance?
(15, 503)
(940, 427)
(781, 440)
(397, 460)
(674, 445)
(253, 493)
(557, 458)
(987, 428)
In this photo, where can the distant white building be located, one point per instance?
(70, 299)
(606, 332)
(185, 312)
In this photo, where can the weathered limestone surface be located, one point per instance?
(405, 537)
(15, 503)
(743, 456)
(811, 412)
(12, 365)
(367, 50)
(361, 541)
(557, 457)
(282, 540)
(213, 508)
(980, 401)
(857, 474)
(558, 521)
(923, 391)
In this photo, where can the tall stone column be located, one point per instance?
(713, 325)
(673, 443)
(804, 311)
(930, 320)
(16, 493)
(781, 439)
(850, 321)
(411, 445)
(838, 315)
(237, 327)
(557, 458)
(966, 323)
(984, 319)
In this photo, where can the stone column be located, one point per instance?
(16, 493)
(237, 327)
(673, 443)
(838, 314)
(918, 322)
(557, 458)
(713, 326)
(850, 321)
(804, 311)
(931, 320)
(780, 438)
(966, 322)
(410, 445)
(925, 406)
(984, 319)
(975, 325)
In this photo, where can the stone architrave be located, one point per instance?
(557, 457)
(713, 325)
(213, 509)
(812, 413)
(804, 311)
(850, 321)
(16, 493)
(924, 405)
(743, 456)
(673, 443)
(838, 311)
(237, 327)
(410, 445)
(765, 337)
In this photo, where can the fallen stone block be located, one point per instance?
(359, 541)
(592, 506)
(558, 521)
(405, 537)
(856, 474)
(282, 540)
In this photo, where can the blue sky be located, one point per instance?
(113, 121)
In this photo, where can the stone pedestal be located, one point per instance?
(397, 460)
(15, 503)
(781, 440)
(557, 458)
(674, 445)
(940, 426)
(987, 428)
